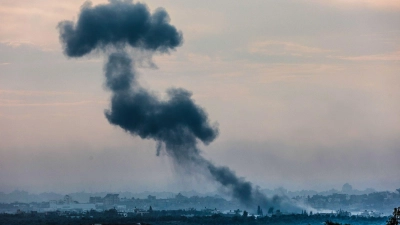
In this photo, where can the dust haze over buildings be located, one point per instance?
(176, 123)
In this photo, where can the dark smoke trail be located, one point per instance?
(177, 123)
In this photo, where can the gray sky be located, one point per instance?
(306, 95)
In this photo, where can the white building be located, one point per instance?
(71, 207)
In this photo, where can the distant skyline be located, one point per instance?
(166, 194)
(306, 95)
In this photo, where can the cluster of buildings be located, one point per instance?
(376, 200)
(110, 201)
(138, 206)
(363, 205)
(68, 204)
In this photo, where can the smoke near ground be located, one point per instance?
(175, 123)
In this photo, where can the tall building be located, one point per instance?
(68, 199)
(111, 199)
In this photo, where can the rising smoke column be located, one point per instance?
(177, 123)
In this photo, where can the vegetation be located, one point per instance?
(173, 218)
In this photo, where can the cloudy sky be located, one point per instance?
(306, 94)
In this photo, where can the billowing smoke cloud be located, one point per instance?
(176, 123)
(117, 24)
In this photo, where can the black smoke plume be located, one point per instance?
(118, 23)
(177, 123)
